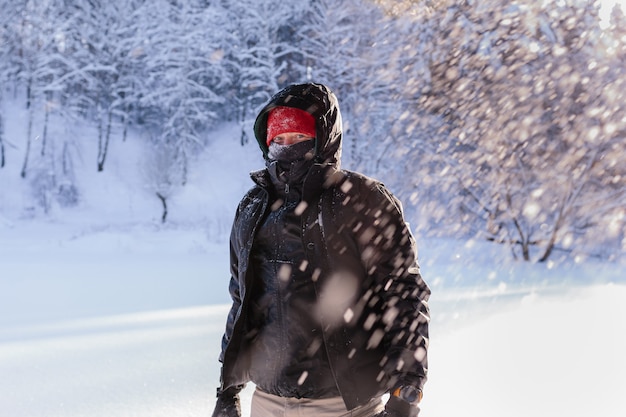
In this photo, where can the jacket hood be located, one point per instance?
(319, 101)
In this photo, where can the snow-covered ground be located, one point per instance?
(128, 323)
(106, 312)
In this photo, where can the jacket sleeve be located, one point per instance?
(239, 235)
(234, 290)
(389, 254)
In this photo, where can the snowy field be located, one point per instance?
(128, 323)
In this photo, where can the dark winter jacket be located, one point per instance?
(371, 299)
(284, 338)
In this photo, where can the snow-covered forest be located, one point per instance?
(492, 119)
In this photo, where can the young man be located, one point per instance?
(329, 308)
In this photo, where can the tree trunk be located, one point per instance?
(125, 116)
(104, 142)
(164, 203)
(67, 161)
(1, 143)
(44, 136)
(29, 131)
(184, 165)
(100, 145)
(524, 238)
(125, 130)
(555, 231)
(525, 250)
(242, 120)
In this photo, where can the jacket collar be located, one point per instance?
(319, 178)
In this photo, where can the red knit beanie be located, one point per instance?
(289, 119)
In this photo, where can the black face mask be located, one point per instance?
(289, 153)
(289, 164)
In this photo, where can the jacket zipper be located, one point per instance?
(324, 326)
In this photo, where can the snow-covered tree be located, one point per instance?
(182, 77)
(265, 55)
(103, 29)
(522, 87)
(490, 118)
(162, 172)
(33, 40)
(338, 43)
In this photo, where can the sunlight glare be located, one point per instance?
(606, 6)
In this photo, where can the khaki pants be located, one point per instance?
(267, 405)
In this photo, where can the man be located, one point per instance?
(329, 309)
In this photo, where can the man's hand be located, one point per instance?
(396, 407)
(228, 404)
